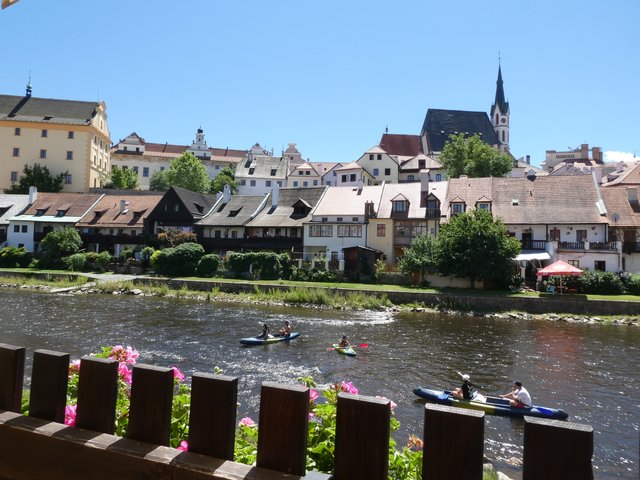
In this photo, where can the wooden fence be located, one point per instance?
(41, 446)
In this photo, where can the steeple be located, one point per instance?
(29, 87)
(500, 113)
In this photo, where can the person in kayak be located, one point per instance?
(344, 343)
(519, 396)
(466, 390)
(286, 330)
(265, 332)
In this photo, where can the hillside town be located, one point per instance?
(574, 207)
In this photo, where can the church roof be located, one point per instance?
(403, 145)
(500, 101)
(47, 110)
(439, 125)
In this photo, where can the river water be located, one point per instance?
(590, 371)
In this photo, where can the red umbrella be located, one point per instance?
(559, 269)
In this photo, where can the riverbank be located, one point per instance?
(567, 308)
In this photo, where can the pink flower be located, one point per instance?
(70, 415)
(393, 404)
(247, 422)
(415, 442)
(177, 374)
(126, 355)
(74, 367)
(184, 446)
(348, 387)
(124, 373)
(313, 395)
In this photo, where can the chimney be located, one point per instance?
(275, 195)
(528, 157)
(123, 206)
(226, 194)
(33, 194)
(368, 211)
(632, 195)
(597, 154)
(584, 151)
(218, 196)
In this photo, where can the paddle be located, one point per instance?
(361, 345)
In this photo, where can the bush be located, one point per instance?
(173, 239)
(208, 265)
(11, 257)
(98, 262)
(58, 244)
(603, 283)
(314, 275)
(262, 265)
(180, 261)
(632, 283)
(75, 262)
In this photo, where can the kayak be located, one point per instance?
(489, 405)
(271, 339)
(349, 351)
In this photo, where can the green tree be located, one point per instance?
(227, 176)
(419, 257)
(123, 179)
(39, 177)
(159, 182)
(58, 244)
(476, 246)
(472, 157)
(187, 172)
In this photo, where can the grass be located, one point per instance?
(58, 281)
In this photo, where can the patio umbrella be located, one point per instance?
(559, 269)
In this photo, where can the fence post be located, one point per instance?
(362, 438)
(150, 407)
(97, 394)
(556, 449)
(212, 420)
(49, 380)
(282, 432)
(453, 442)
(11, 377)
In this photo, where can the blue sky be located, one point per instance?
(331, 76)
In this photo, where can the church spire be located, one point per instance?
(500, 113)
(500, 102)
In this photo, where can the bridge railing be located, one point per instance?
(41, 446)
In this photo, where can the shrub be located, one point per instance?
(75, 262)
(180, 261)
(262, 265)
(603, 283)
(173, 239)
(11, 257)
(314, 275)
(125, 255)
(98, 262)
(208, 265)
(632, 283)
(58, 244)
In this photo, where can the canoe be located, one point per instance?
(349, 351)
(271, 339)
(489, 405)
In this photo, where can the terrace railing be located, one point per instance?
(41, 446)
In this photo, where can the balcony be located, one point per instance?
(433, 213)
(534, 244)
(631, 247)
(571, 246)
(603, 246)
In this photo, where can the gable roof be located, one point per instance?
(49, 110)
(236, 212)
(620, 211)
(74, 205)
(348, 201)
(197, 204)
(282, 215)
(410, 192)
(629, 176)
(403, 145)
(262, 166)
(107, 211)
(11, 204)
(439, 125)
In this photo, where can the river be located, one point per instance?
(590, 371)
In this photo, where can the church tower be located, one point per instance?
(500, 114)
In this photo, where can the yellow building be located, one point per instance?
(63, 135)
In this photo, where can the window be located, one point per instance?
(422, 163)
(600, 265)
(44, 134)
(16, 228)
(400, 206)
(68, 179)
(352, 177)
(218, 234)
(145, 171)
(381, 230)
(16, 152)
(457, 208)
(14, 176)
(16, 132)
(69, 155)
(307, 172)
(376, 172)
(379, 156)
(438, 177)
(581, 236)
(217, 167)
(315, 183)
(135, 170)
(340, 219)
(279, 183)
(371, 157)
(484, 206)
(234, 234)
(295, 183)
(253, 183)
(267, 183)
(273, 172)
(70, 135)
(387, 171)
(300, 172)
(43, 153)
(554, 235)
(25, 228)
(305, 184)
(411, 178)
(243, 182)
(321, 230)
(349, 230)
(344, 179)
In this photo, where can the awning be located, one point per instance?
(533, 256)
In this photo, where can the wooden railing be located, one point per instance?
(40, 446)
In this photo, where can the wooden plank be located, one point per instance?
(97, 394)
(49, 379)
(11, 377)
(362, 438)
(283, 423)
(150, 407)
(556, 449)
(454, 440)
(212, 420)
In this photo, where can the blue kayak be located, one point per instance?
(271, 339)
(489, 405)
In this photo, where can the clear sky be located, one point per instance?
(331, 75)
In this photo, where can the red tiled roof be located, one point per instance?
(404, 145)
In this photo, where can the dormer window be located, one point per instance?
(457, 208)
(400, 206)
(273, 172)
(251, 170)
(484, 206)
(422, 163)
